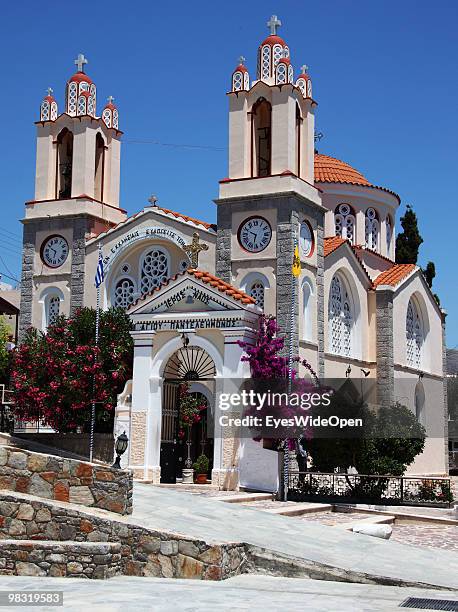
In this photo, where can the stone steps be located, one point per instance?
(97, 560)
(243, 498)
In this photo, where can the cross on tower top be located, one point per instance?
(50, 91)
(242, 60)
(273, 24)
(192, 250)
(80, 62)
(152, 199)
(304, 68)
(110, 99)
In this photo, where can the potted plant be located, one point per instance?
(201, 468)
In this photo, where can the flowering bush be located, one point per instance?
(56, 376)
(190, 409)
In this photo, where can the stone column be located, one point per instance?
(78, 254)
(223, 243)
(320, 297)
(384, 345)
(28, 259)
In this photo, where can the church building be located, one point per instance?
(194, 289)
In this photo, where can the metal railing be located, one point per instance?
(369, 489)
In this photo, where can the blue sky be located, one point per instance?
(384, 76)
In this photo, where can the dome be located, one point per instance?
(332, 170)
(79, 77)
(273, 39)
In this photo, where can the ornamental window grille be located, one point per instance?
(72, 98)
(286, 51)
(93, 92)
(278, 54)
(290, 74)
(82, 110)
(389, 234)
(53, 310)
(154, 269)
(106, 116)
(257, 292)
(237, 81)
(340, 319)
(246, 81)
(90, 106)
(44, 111)
(124, 293)
(53, 111)
(344, 222)
(281, 74)
(309, 88)
(84, 86)
(372, 230)
(115, 118)
(414, 336)
(265, 62)
(301, 84)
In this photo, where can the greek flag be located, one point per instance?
(99, 273)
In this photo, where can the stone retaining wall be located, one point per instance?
(72, 559)
(144, 552)
(68, 480)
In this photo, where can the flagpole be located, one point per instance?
(97, 321)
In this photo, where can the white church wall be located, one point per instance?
(258, 467)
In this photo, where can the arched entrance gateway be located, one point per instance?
(193, 368)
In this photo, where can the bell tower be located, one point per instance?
(268, 204)
(76, 195)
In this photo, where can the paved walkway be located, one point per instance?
(258, 593)
(315, 544)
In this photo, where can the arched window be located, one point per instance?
(257, 292)
(389, 234)
(261, 118)
(414, 335)
(307, 292)
(52, 309)
(372, 230)
(154, 269)
(124, 293)
(344, 220)
(298, 140)
(340, 313)
(99, 167)
(64, 164)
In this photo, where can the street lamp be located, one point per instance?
(120, 449)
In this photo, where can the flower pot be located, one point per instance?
(201, 479)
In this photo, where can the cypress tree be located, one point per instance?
(408, 242)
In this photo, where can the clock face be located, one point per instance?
(306, 239)
(255, 234)
(54, 251)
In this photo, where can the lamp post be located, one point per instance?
(120, 449)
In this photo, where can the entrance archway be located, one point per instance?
(192, 365)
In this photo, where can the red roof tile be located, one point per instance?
(208, 279)
(331, 170)
(178, 215)
(394, 275)
(332, 243)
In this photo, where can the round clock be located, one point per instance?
(306, 239)
(54, 251)
(255, 234)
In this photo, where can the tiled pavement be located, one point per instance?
(317, 545)
(254, 593)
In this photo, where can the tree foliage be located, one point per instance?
(429, 273)
(408, 242)
(4, 353)
(55, 376)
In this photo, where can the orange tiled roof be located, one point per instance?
(394, 275)
(208, 279)
(332, 243)
(332, 170)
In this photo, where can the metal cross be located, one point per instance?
(50, 91)
(152, 199)
(273, 24)
(192, 250)
(110, 99)
(304, 69)
(242, 60)
(80, 61)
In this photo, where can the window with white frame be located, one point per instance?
(257, 291)
(124, 293)
(340, 318)
(344, 221)
(414, 335)
(154, 269)
(389, 234)
(307, 292)
(372, 230)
